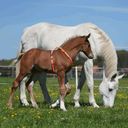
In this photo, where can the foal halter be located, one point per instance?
(64, 52)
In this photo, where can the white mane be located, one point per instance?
(104, 48)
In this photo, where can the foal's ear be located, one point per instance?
(88, 36)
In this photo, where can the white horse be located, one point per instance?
(38, 35)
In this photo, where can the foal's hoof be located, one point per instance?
(24, 102)
(9, 106)
(68, 88)
(64, 109)
(35, 106)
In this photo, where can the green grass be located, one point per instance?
(84, 117)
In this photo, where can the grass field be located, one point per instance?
(45, 117)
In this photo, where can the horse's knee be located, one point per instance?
(90, 87)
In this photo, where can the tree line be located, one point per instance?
(122, 60)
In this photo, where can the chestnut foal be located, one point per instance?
(57, 61)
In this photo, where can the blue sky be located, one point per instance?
(15, 15)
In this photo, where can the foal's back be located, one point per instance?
(37, 58)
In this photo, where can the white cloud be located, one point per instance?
(109, 9)
(100, 8)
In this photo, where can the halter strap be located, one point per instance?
(63, 51)
(52, 61)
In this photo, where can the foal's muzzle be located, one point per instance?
(91, 56)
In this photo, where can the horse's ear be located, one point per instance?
(113, 77)
(88, 36)
(120, 76)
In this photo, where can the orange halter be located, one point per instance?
(52, 61)
(63, 51)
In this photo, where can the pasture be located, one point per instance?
(45, 117)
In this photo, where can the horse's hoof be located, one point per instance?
(77, 104)
(53, 105)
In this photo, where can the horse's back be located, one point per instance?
(49, 36)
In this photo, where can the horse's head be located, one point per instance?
(86, 48)
(108, 89)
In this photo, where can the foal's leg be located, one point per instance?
(68, 90)
(23, 98)
(16, 83)
(61, 76)
(29, 86)
(41, 76)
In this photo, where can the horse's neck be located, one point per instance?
(103, 47)
(110, 59)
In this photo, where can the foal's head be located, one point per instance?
(86, 48)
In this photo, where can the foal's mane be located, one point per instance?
(71, 40)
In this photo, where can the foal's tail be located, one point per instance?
(16, 60)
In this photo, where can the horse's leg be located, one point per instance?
(79, 87)
(23, 98)
(42, 81)
(16, 83)
(29, 86)
(88, 66)
(61, 76)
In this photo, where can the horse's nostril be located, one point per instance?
(110, 89)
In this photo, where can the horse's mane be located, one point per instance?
(106, 50)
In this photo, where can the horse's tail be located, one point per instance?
(14, 61)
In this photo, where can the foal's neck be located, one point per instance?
(73, 48)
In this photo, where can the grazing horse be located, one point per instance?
(38, 35)
(56, 61)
